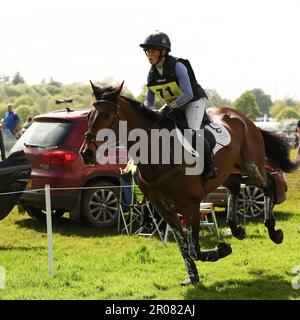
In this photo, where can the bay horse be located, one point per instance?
(171, 191)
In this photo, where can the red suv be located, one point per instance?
(251, 198)
(52, 144)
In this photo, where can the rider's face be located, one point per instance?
(152, 55)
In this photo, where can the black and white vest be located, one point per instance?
(166, 85)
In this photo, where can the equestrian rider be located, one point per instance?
(173, 80)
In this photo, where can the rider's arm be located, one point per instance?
(149, 99)
(184, 84)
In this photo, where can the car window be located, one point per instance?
(44, 134)
(8, 141)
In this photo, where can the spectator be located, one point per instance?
(11, 120)
(27, 124)
(298, 134)
(146, 223)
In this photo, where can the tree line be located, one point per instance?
(40, 98)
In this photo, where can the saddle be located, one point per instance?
(178, 116)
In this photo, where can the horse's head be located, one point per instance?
(103, 115)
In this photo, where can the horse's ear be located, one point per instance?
(119, 89)
(94, 88)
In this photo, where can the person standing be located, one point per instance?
(298, 134)
(11, 120)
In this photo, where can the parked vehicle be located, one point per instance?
(251, 198)
(52, 145)
(15, 172)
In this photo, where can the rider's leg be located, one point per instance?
(194, 112)
(210, 171)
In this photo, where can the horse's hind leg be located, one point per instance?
(234, 184)
(275, 235)
(259, 178)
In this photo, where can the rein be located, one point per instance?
(90, 137)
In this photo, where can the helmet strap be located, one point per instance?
(160, 57)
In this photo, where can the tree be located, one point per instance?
(215, 100)
(246, 103)
(17, 79)
(55, 83)
(23, 100)
(263, 100)
(278, 106)
(288, 113)
(23, 112)
(291, 102)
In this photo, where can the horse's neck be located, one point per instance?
(136, 120)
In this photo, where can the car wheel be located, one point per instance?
(254, 201)
(38, 214)
(100, 207)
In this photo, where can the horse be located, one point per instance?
(171, 190)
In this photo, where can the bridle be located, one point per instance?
(90, 136)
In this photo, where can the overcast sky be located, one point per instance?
(233, 45)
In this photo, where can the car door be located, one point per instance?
(15, 171)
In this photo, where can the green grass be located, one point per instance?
(93, 264)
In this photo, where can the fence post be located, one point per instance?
(49, 229)
(243, 187)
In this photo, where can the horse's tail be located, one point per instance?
(277, 152)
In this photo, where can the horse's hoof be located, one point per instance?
(224, 249)
(189, 281)
(277, 236)
(239, 233)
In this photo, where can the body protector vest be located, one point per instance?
(166, 85)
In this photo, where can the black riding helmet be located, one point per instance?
(157, 40)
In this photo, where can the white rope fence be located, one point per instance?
(48, 213)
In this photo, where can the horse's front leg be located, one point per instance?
(181, 239)
(188, 260)
(193, 230)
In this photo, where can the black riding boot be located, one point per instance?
(210, 171)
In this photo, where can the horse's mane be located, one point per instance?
(150, 114)
(108, 93)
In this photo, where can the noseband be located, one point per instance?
(90, 136)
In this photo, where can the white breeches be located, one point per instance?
(194, 112)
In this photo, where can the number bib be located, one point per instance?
(168, 92)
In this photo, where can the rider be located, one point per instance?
(173, 79)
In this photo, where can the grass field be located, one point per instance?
(92, 264)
